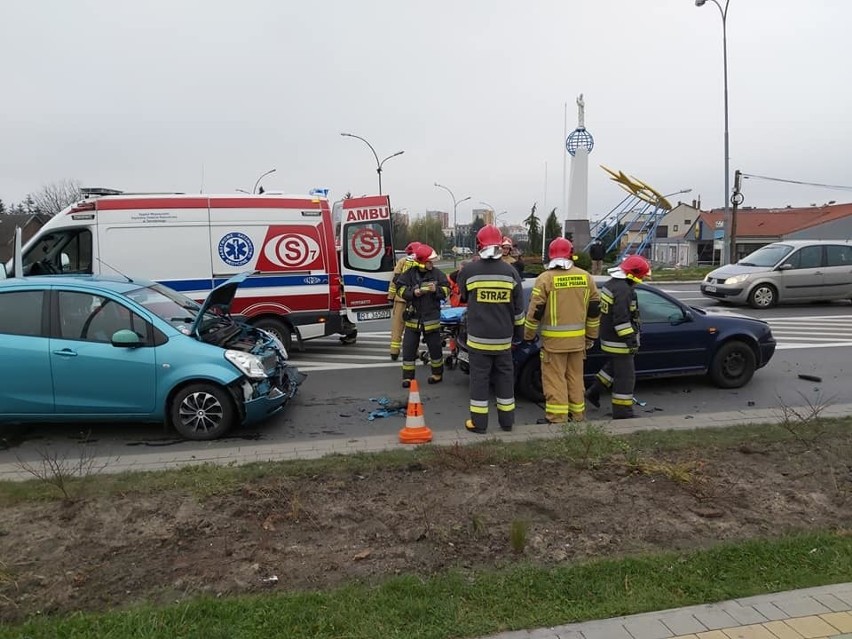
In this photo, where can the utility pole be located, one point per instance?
(737, 198)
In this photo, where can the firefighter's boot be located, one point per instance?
(593, 394)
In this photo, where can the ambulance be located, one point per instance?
(312, 275)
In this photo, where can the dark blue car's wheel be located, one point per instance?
(529, 380)
(733, 365)
(202, 412)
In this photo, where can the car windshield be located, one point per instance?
(168, 304)
(767, 256)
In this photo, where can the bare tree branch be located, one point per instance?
(55, 196)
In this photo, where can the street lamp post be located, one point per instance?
(270, 171)
(729, 246)
(379, 163)
(455, 217)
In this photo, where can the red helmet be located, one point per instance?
(424, 253)
(507, 241)
(560, 247)
(412, 246)
(635, 267)
(488, 235)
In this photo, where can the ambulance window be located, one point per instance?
(368, 247)
(67, 251)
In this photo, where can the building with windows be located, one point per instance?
(700, 241)
(442, 216)
(486, 215)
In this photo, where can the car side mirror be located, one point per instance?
(785, 267)
(125, 338)
(681, 318)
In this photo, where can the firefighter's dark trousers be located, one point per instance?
(619, 375)
(487, 368)
(431, 331)
(562, 382)
(397, 325)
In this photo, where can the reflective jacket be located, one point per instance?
(565, 305)
(619, 317)
(495, 304)
(402, 265)
(423, 311)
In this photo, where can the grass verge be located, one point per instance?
(589, 444)
(471, 605)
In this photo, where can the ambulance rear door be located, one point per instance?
(367, 257)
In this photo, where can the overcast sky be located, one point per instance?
(154, 95)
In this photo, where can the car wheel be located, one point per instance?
(202, 411)
(529, 381)
(277, 328)
(733, 365)
(763, 296)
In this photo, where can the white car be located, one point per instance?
(791, 271)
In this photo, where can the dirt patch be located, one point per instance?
(456, 511)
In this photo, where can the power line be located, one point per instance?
(824, 186)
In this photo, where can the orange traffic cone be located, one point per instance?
(415, 430)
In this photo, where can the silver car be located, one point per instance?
(791, 271)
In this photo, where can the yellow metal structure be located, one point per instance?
(639, 189)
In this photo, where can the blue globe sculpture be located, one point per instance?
(578, 138)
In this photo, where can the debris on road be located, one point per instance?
(810, 378)
(389, 408)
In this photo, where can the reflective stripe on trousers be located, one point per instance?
(562, 382)
(486, 367)
(619, 374)
(410, 345)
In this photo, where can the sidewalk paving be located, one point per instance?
(812, 613)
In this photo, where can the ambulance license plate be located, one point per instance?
(383, 313)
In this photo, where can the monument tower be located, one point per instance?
(579, 144)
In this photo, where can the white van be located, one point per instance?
(303, 286)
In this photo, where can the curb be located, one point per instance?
(225, 453)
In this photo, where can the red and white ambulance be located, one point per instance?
(312, 277)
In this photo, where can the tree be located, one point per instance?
(533, 230)
(28, 206)
(401, 233)
(51, 198)
(428, 230)
(2, 208)
(552, 228)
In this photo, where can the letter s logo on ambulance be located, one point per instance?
(290, 248)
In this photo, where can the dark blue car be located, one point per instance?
(676, 340)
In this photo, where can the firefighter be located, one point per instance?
(397, 324)
(491, 288)
(422, 287)
(506, 248)
(565, 306)
(620, 336)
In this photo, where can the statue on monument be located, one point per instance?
(581, 116)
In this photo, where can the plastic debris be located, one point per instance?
(639, 402)
(271, 580)
(810, 378)
(388, 408)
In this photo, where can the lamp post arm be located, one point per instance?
(382, 163)
(358, 137)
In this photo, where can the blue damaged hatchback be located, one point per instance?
(101, 348)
